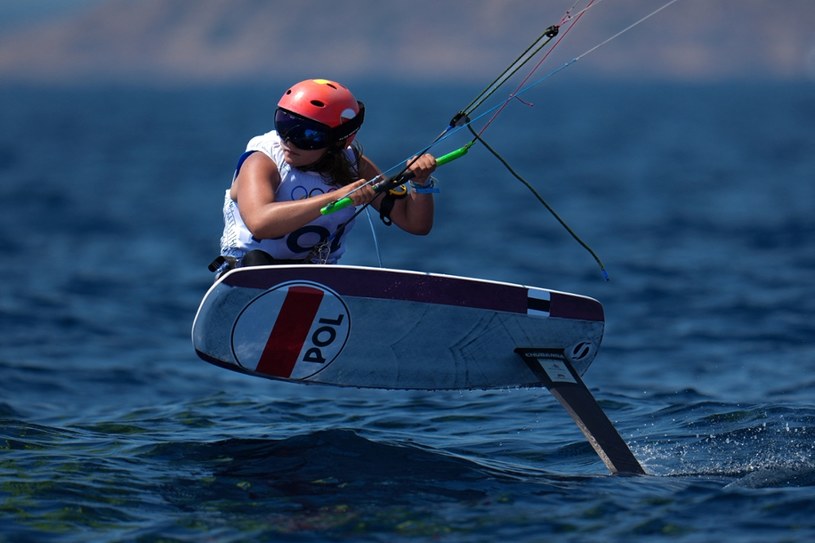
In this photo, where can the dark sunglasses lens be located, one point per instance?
(309, 138)
(303, 133)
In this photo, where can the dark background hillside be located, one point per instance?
(184, 41)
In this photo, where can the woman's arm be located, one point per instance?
(413, 213)
(254, 190)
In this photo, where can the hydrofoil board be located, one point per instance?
(385, 328)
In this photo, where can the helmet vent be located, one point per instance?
(317, 103)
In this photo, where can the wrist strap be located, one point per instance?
(427, 188)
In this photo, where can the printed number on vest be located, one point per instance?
(293, 241)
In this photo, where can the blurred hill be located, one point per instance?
(175, 42)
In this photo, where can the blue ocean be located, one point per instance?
(698, 198)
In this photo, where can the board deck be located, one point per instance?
(385, 328)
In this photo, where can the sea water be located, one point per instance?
(699, 199)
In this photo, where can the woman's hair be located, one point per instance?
(336, 168)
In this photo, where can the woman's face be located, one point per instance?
(297, 158)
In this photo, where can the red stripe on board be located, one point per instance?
(290, 331)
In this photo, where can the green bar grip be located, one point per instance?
(441, 161)
(336, 206)
(453, 155)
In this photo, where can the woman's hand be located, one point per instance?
(361, 192)
(422, 167)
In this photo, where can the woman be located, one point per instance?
(272, 210)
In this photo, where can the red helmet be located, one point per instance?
(328, 103)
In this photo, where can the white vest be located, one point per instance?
(295, 184)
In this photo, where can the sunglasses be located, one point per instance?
(302, 132)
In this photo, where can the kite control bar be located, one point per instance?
(391, 183)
